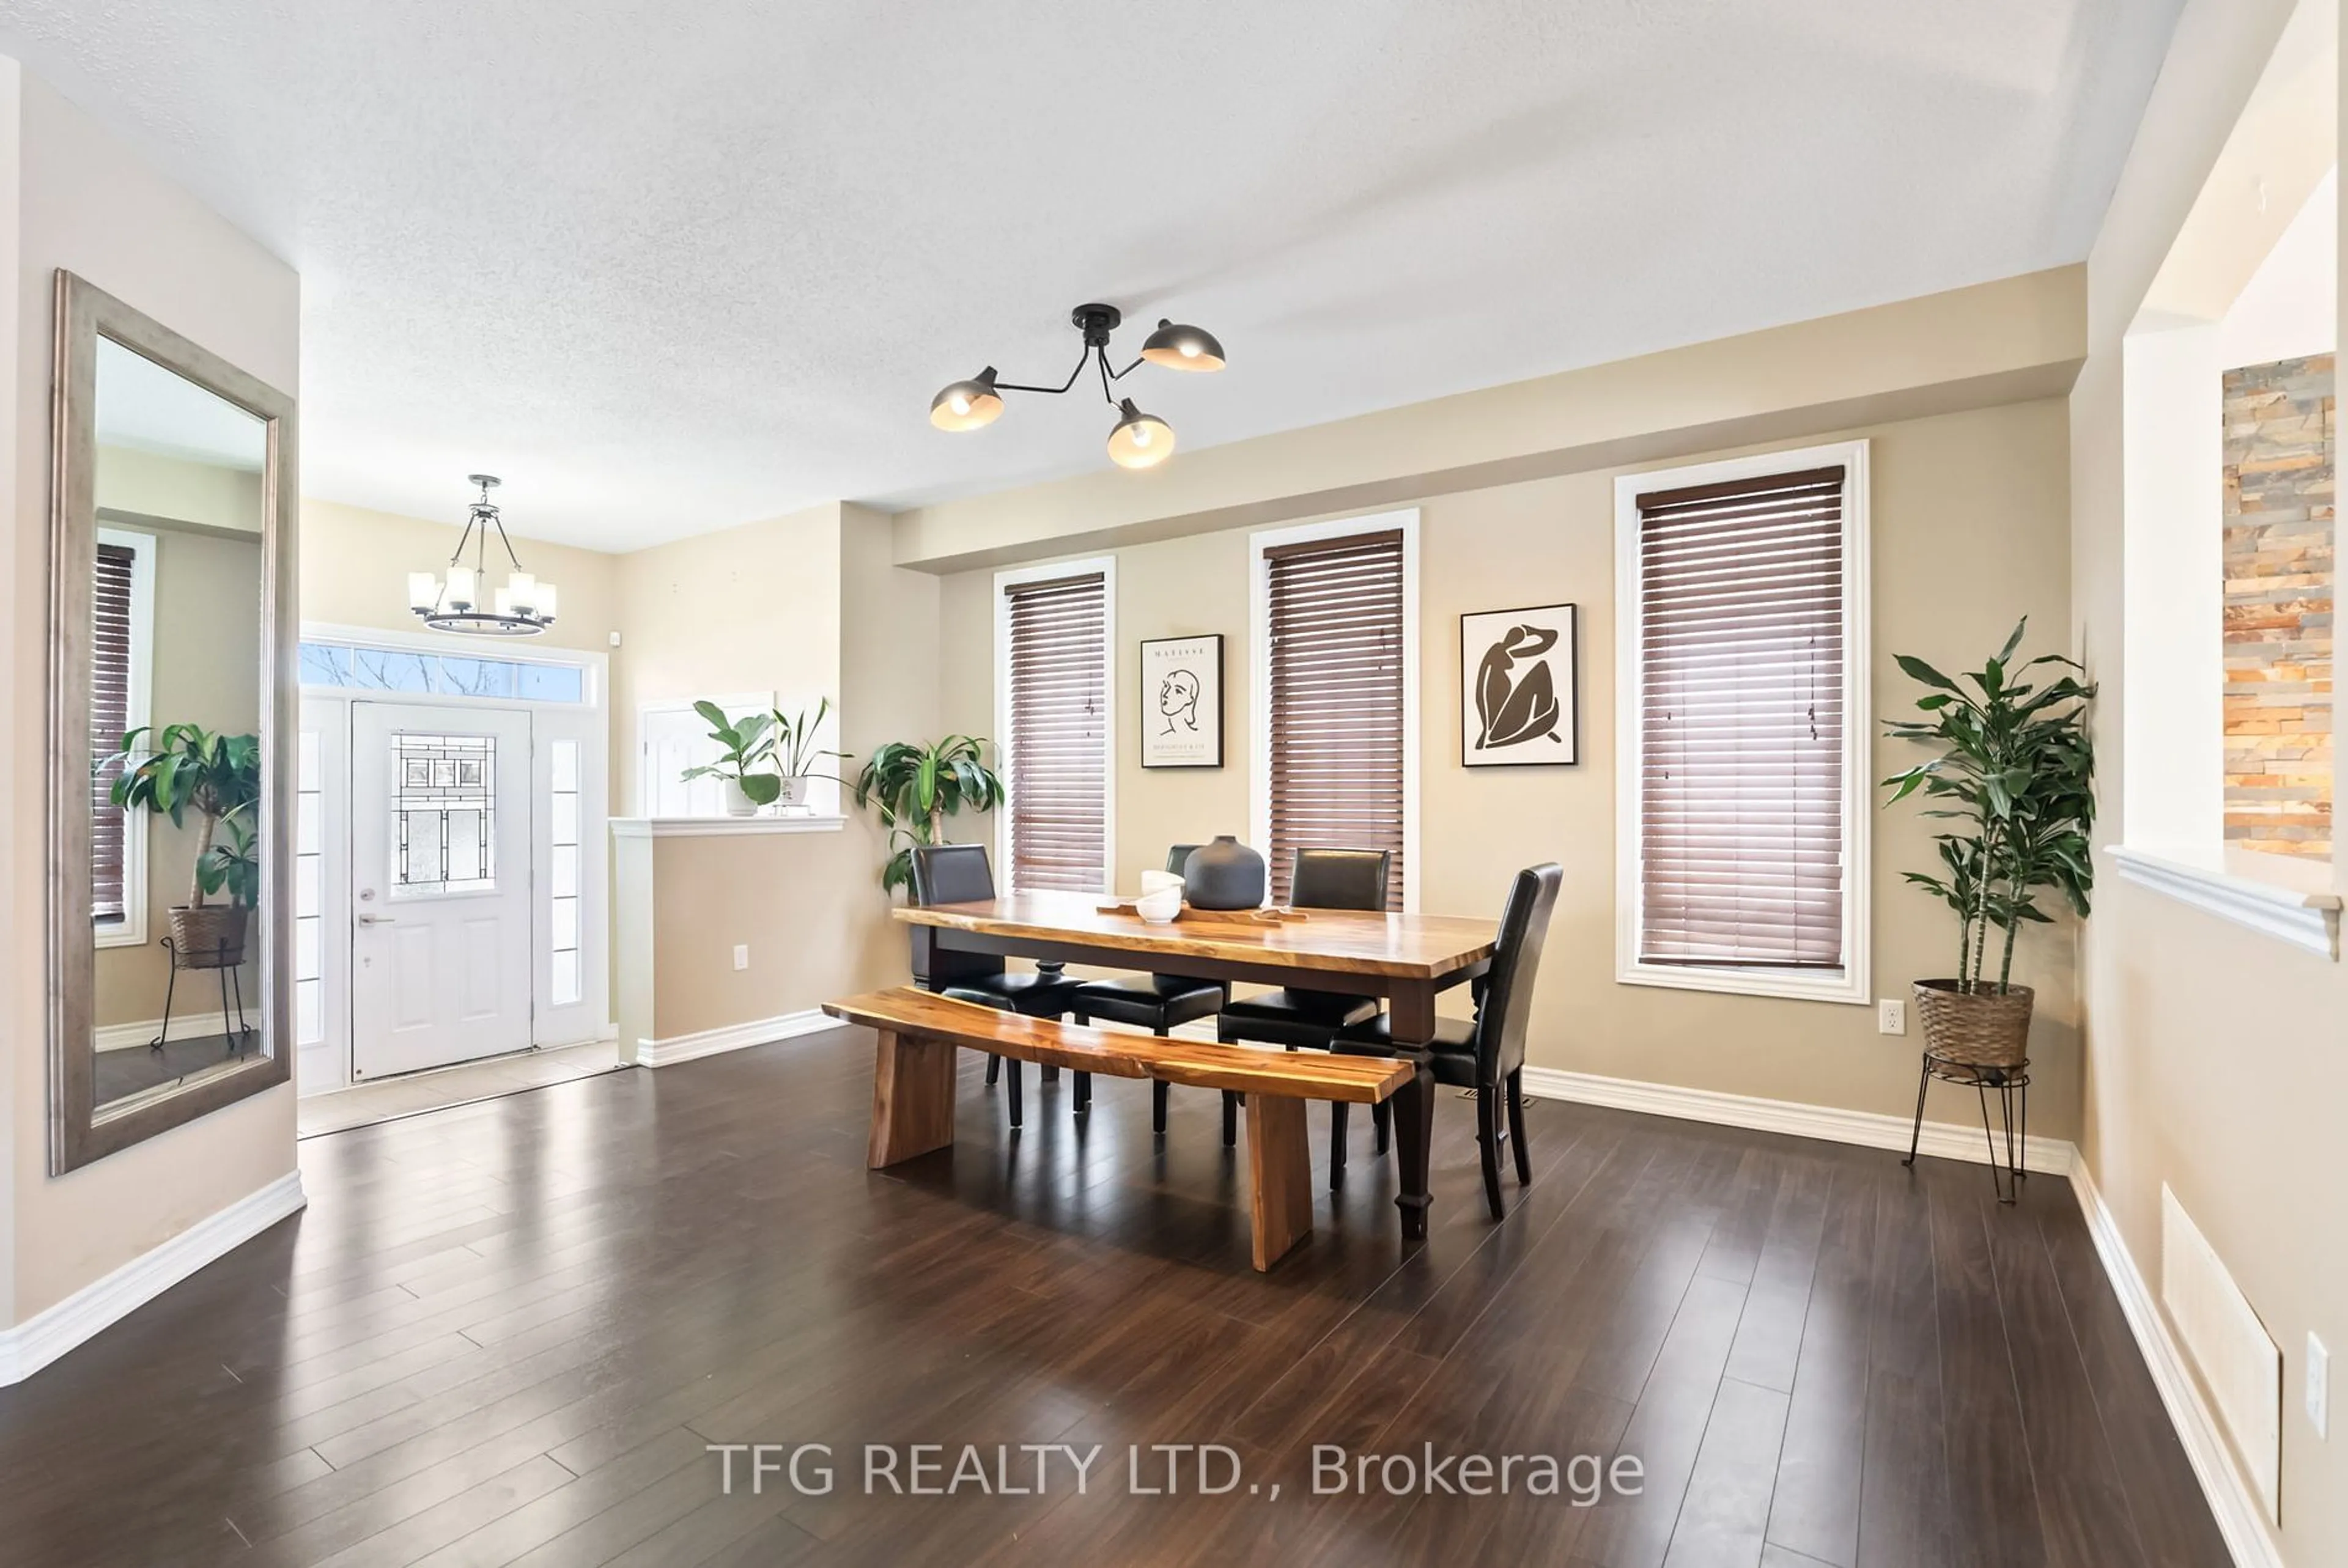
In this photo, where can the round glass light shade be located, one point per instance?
(1140, 440)
(423, 592)
(967, 405)
(1179, 347)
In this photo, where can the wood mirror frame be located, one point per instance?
(80, 1131)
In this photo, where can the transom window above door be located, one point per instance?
(361, 669)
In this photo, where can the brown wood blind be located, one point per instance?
(1058, 740)
(1335, 650)
(109, 715)
(1741, 722)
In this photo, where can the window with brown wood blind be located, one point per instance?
(1056, 702)
(1335, 645)
(1743, 771)
(109, 716)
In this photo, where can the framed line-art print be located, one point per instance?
(1182, 702)
(1519, 688)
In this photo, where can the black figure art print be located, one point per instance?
(1518, 687)
(1182, 702)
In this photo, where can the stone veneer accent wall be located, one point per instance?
(2281, 437)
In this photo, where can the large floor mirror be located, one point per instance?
(170, 728)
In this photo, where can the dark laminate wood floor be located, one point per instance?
(504, 1333)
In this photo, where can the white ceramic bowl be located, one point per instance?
(1160, 908)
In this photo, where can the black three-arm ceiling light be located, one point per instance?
(1137, 440)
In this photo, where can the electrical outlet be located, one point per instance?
(1890, 1016)
(2318, 1387)
(742, 956)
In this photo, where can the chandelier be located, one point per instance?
(524, 606)
(1137, 440)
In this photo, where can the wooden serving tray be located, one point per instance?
(1190, 917)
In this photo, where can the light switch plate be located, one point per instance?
(2318, 1387)
(1891, 1016)
(742, 956)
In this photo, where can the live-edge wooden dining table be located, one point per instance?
(1408, 959)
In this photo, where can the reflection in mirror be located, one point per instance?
(176, 698)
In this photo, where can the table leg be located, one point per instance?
(1411, 1022)
(913, 1099)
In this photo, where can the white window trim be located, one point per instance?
(1855, 982)
(1405, 521)
(1048, 572)
(137, 712)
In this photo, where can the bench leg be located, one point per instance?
(1279, 1176)
(913, 1099)
(1157, 1105)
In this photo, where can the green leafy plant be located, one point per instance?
(793, 745)
(182, 768)
(235, 865)
(917, 787)
(2015, 776)
(745, 746)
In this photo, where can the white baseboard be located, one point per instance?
(184, 1026)
(733, 1037)
(2233, 1500)
(41, 1339)
(1869, 1129)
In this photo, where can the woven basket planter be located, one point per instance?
(212, 937)
(1977, 1029)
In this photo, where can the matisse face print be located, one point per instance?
(1517, 687)
(1182, 702)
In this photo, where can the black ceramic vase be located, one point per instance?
(1224, 874)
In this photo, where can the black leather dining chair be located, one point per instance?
(1486, 1054)
(959, 874)
(1308, 1020)
(1160, 1004)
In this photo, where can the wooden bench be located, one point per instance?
(913, 1088)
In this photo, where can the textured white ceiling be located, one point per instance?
(670, 267)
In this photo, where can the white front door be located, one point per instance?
(440, 886)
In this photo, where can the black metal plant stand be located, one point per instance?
(213, 959)
(2009, 1082)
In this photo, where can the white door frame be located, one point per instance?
(325, 1062)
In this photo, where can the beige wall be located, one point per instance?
(1969, 533)
(749, 608)
(2216, 1059)
(808, 605)
(150, 486)
(72, 196)
(354, 566)
(207, 670)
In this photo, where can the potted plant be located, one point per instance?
(744, 746)
(2014, 777)
(917, 787)
(189, 768)
(795, 752)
